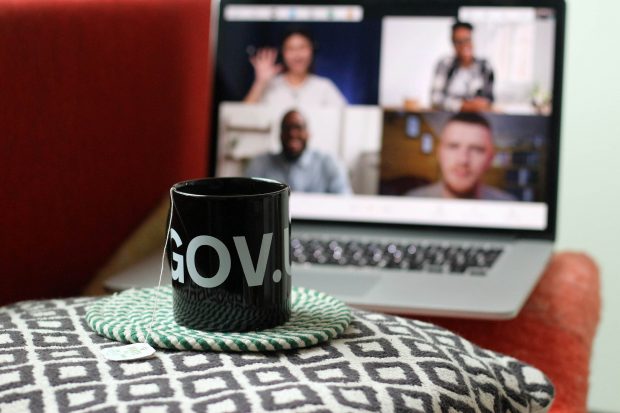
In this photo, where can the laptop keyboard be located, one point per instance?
(422, 256)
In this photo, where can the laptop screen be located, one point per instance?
(420, 113)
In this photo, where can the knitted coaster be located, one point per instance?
(315, 318)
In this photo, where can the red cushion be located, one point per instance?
(554, 331)
(103, 106)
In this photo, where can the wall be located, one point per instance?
(402, 75)
(589, 187)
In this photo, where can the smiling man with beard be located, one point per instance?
(303, 169)
(465, 154)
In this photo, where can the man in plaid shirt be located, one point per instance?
(463, 83)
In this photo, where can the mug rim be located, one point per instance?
(178, 187)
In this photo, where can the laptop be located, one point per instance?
(420, 139)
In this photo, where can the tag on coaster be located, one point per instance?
(136, 351)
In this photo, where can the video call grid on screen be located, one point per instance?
(384, 108)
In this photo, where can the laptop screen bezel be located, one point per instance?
(413, 7)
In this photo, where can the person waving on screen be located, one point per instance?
(293, 82)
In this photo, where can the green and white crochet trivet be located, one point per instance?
(316, 317)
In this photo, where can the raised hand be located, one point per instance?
(264, 63)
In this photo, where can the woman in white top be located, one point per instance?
(291, 83)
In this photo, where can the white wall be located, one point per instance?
(543, 59)
(410, 49)
(589, 217)
(362, 130)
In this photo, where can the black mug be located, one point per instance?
(229, 254)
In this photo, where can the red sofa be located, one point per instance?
(103, 107)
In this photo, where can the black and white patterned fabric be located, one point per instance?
(51, 361)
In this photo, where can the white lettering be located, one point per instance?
(224, 257)
(179, 271)
(287, 254)
(254, 276)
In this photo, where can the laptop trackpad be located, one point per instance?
(353, 285)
